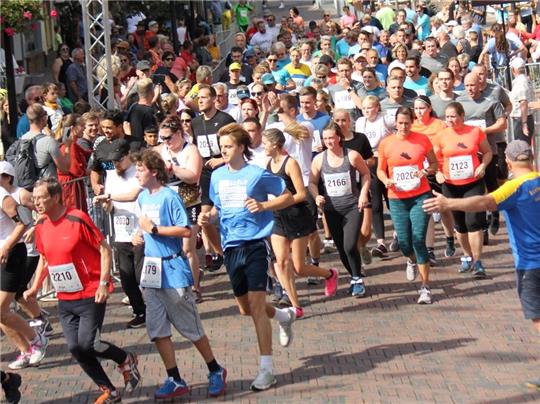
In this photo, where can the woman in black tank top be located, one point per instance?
(292, 225)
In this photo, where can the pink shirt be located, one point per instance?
(347, 20)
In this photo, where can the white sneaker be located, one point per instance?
(263, 381)
(125, 301)
(285, 328)
(425, 296)
(412, 270)
(38, 350)
(329, 246)
(22, 361)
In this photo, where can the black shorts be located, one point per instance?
(193, 213)
(466, 222)
(294, 222)
(502, 167)
(312, 206)
(13, 273)
(434, 185)
(528, 287)
(247, 266)
(204, 183)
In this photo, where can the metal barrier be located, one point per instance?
(501, 76)
(224, 40)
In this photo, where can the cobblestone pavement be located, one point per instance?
(471, 346)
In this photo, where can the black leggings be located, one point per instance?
(130, 261)
(466, 222)
(345, 230)
(378, 193)
(82, 321)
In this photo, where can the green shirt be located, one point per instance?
(242, 13)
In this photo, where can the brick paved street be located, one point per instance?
(471, 346)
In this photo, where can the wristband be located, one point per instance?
(103, 283)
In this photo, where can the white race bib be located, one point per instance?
(208, 145)
(65, 278)
(460, 167)
(406, 178)
(480, 123)
(243, 13)
(151, 273)
(317, 142)
(233, 97)
(338, 184)
(125, 225)
(299, 81)
(343, 100)
(390, 117)
(420, 91)
(232, 193)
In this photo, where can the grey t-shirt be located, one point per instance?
(389, 108)
(342, 99)
(434, 65)
(47, 149)
(439, 105)
(483, 112)
(497, 93)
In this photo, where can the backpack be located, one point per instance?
(21, 154)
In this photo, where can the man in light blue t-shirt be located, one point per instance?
(414, 81)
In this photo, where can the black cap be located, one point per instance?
(120, 148)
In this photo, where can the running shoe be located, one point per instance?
(38, 350)
(207, 261)
(450, 249)
(331, 284)
(431, 256)
(436, 217)
(478, 270)
(22, 361)
(138, 321)
(358, 288)
(285, 328)
(329, 245)
(217, 382)
(263, 381)
(11, 388)
(394, 245)
(130, 372)
(299, 312)
(312, 280)
(494, 226)
(217, 262)
(412, 270)
(171, 388)
(126, 301)
(533, 384)
(278, 292)
(285, 301)
(380, 251)
(365, 254)
(108, 396)
(42, 326)
(466, 265)
(425, 295)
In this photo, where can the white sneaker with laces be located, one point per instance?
(38, 350)
(285, 328)
(22, 361)
(263, 381)
(412, 271)
(425, 296)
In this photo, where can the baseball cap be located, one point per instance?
(235, 66)
(268, 78)
(120, 148)
(7, 168)
(143, 65)
(152, 23)
(242, 92)
(249, 53)
(518, 150)
(325, 59)
(517, 63)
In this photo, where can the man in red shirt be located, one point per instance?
(78, 260)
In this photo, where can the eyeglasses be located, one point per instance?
(256, 94)
(169, 59)
(64, 49)
(321, 77)
(185, 120)
(271, 60)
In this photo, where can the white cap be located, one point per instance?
(7, 168)
(451, 23)
(517, 63)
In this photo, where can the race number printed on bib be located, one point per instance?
(342, 99)
(124, 227)
(233, 97)
(460, 167)
(65, 278)
(406, 178)
(243, 13)
(208, 145)
(232, 193)
(316, 143)
(479, 123)
(338, 184)
(151, 273)
(299, 81)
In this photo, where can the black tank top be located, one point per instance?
(281, 173)
(62, 74)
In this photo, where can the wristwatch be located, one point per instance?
(154, 229)
(103, 283)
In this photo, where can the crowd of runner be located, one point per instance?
(313, 128)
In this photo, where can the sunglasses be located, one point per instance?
(64, 49)
(321, 77)
(169, 59)
(271, 60)
(185, 120)
(256, 94)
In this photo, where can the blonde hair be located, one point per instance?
(168, 103)
(145, 86)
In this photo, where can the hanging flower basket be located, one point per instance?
(17, 16)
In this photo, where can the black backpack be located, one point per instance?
(22, 156)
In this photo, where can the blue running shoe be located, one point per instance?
(171, 388)
(217, 382)
(466, 265)
(478, 270)
(358, 288)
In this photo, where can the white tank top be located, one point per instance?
(374, 131)
(30, 247)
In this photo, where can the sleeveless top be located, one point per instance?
(281, 173)
(62, 73)
(190, 193)
(341, 191)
